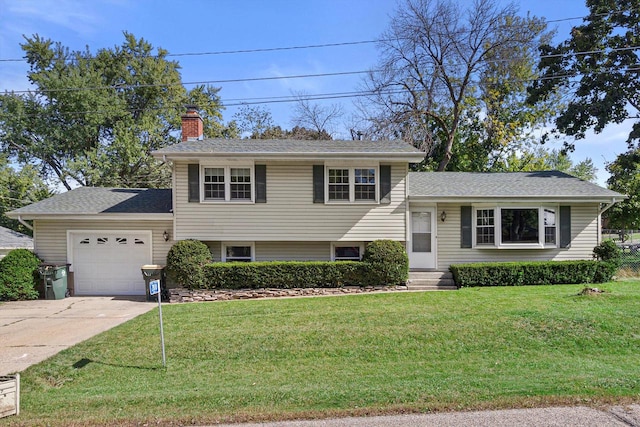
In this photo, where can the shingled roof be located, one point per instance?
(98, 200)
(546, 184)
(10, 239)
(288, 148)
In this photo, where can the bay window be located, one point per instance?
(515, 227)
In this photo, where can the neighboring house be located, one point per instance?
(10, 240)
(312, 200)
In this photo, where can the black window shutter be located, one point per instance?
(261, 183)
(465, 227)
(194, 183)
(318, 183)
(385, 184)
(565, 226)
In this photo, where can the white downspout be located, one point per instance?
(606, 208)
(603, 210)
(23, 222)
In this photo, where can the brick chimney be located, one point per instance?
(192, 127)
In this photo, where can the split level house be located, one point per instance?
(264, 200)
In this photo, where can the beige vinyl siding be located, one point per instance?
(50, 236)
(290, 213)
(282, 251)
(293, 251)
(584, 236)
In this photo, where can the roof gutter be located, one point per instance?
(408, 157)
(23, 222)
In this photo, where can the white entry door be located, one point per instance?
(422, 246)
(108, 262)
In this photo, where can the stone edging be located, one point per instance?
(178, 295)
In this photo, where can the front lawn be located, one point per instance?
(367, 354)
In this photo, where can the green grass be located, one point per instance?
(366, 354)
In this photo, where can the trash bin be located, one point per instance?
(155, 272)
(54, 278)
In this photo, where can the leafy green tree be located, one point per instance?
(541, 159)
(625, 179)
(93, 119)
(257, 123)
(598, 65)
(17, 189)
(446, 71)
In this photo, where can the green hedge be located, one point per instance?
(19, 275)
(532, 273)
(285, 274)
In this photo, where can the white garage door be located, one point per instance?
(108, 263)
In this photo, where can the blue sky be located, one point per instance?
(226, 25)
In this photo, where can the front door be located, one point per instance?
(422, 246)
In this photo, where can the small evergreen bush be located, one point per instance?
(608, 251)
(387, 262)
(185, 263)
(19, 275)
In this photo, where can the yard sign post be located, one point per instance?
(154, 289)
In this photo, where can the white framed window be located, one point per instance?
(352, 184)
(238, 251)
(526, 227)
(550, 227)
(485, 227)
(227, 183)
(347, 251)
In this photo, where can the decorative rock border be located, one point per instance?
(178, 295)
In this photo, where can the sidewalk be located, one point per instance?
(580, 416)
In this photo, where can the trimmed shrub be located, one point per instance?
(185, 263)
(608, 251)
(284, 274)
(387, 262)
(531, 273)
(19, 275)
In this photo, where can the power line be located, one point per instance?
(311, 46)
(249, 79)
(234, 102)
(298, 76)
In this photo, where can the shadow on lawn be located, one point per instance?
(84, 362)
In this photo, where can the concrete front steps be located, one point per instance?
(430, 281)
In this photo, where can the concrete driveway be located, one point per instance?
(32, 331)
